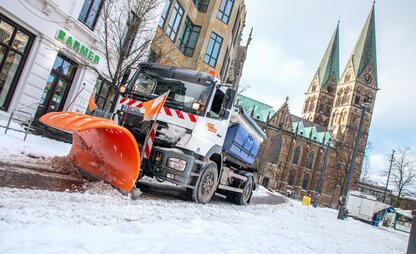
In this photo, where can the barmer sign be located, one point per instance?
(81, 49)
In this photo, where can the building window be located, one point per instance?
(90, 12)
(15, 44)
(103, 96)
(175, 20)
(236, 26)
(164, 13)
(129, 33)
(57, 86)
(291, 177)
(213, 49)
(189, 37)
(305, 182)
(310, 160)
(275, 147)
(296, 156)
(201, 5)
(225, 10)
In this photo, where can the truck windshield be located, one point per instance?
(148, 84)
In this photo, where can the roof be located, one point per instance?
(365, 49)
(330, 62)
(309, 129)
(261, 110)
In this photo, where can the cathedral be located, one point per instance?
(310, 155)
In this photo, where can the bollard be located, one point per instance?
(411, 247)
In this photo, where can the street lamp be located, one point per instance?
(323, 168)
(342, 209)
(388, 177)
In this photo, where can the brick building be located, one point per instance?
(293, 157)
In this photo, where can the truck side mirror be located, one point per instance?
(227, 103)
(229, 98)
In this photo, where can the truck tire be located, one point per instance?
(207, 184)
(244, 197)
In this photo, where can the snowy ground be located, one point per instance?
(101, 220)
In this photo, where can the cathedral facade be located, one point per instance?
(310, 155)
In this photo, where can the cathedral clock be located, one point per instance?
(368, 78)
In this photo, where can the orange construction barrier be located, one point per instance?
(99, 146)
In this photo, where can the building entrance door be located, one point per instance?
(265, 182)
(58, 85)
(15, 44)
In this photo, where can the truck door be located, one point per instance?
(216, 124)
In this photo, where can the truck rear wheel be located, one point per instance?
(244, 197)
(207, 184)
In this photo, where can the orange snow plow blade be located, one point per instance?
(99, 146)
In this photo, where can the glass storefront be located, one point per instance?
(58, 85)
(15, 44)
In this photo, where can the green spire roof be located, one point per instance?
(261, 110)
(330, 62)
(365, 49)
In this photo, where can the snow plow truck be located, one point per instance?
(200, 141)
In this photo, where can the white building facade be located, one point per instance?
(47, 51)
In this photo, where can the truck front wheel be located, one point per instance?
(207, 184)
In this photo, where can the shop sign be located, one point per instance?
(76, 45)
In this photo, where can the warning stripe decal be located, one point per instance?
(166, 111)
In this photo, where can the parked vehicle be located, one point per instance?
(366, 207)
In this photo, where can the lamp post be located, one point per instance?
(388, 177)
(342, 208)
(323, 168)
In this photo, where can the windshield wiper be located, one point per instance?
(175, 103)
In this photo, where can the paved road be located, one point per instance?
(42, 177)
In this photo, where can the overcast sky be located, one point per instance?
(290, 38)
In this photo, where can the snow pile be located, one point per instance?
(100, 220)
(13, 149)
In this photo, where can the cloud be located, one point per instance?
(273, 74)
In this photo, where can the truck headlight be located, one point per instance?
(177, 164)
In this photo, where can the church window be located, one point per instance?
(312, 104)
(334, 115)
(314, 88)
(310, 160)
(347, 77)
(337, 101)
(306, 106)
(305, 182)
(296, 156)
(357, 99)
(345, 99)
(275, 148)
(291, 177)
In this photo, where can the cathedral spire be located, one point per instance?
(365, 50)
(330, 62)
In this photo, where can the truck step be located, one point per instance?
(225, 187)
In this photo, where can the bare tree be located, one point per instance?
(403, 174)
(125, 35)
(243, 87)
(365, 170)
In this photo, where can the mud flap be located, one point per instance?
(104, 149)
